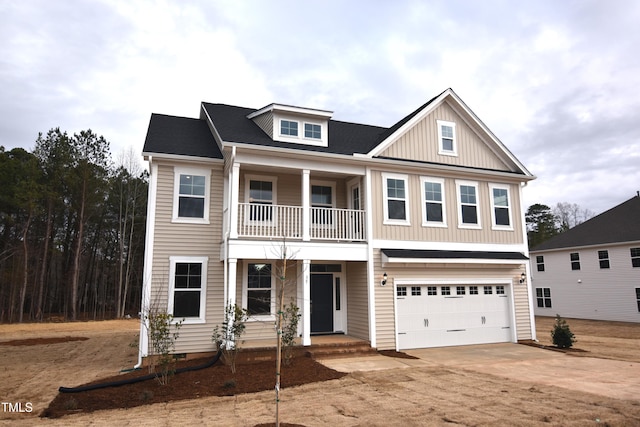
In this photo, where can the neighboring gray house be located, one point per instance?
(591, 271)
(404, 237)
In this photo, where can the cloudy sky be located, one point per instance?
(557, 81)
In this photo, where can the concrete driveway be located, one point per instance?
(611, 378)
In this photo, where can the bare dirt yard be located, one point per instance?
(71, 354)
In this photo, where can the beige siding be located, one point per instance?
(421, 143)
(265, 121)
(357, 300)
(385, 315)
(452, 233)
(173, 239)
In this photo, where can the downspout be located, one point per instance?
(143, 341)
(371, 290)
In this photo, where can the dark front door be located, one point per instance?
(321, 303)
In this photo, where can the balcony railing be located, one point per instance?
(278, 221)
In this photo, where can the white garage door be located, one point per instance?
(438, 316)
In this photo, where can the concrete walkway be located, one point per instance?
(611, 378)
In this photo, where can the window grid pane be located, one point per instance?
(311, 131)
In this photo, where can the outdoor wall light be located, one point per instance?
(384, 280)
(523, 278)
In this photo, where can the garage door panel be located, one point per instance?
(455, 315)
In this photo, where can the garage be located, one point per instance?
(447, 315)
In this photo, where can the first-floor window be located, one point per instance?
(188, 285)
(259, 287)
(543, 295)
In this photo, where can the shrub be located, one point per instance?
(561, 334)
(290, 318)
(228, 335)
(163, 342)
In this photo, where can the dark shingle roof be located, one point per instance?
(181, 136)
(618, 224)
(233, 125)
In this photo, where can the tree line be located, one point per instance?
(72, 226)
(544, 222)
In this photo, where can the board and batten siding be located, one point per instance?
(591, 292)
(421, 143)
(178, 239)
(451, 233)
(384, 295)
(357, 300)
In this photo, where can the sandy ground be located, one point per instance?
(407, 397)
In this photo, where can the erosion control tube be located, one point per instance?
(137, 379)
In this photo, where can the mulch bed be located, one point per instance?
(216, 380)
(40, 341)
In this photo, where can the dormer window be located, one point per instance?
(312, 131)
(447, 138)
(289, 128)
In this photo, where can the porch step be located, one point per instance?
(338, 350)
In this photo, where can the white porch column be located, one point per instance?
(232, 264)
(233, 209)
(306, 206)
(306, 302)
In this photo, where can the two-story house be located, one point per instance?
(405, 237)
(591, 271)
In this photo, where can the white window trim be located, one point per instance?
(176, 194)
(441, 149)
(286, 135)
(459, 203)
(300, 138)
(331, 184)
(173, 260)
(274, 201)
(245, 290)
(495, 226)
(425, 223)
(385, 205)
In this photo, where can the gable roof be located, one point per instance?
(180, 136)
(617, 225)
(234, 126)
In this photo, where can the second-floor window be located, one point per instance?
(501, 204)
(468, 210)
(603, 259)
(540, 262)
(191, 195)
(635, 257)
(322, 197)
(434, 211)
(261, 199)
(575, 260)
(395, 199)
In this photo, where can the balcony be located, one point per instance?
(265, 221)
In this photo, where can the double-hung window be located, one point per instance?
(635, 257)
(261, 197)
(468, 207)
(433, 202)
(187, 288)
(447, 144)
(396, 199)
(540, 262)
(500, 207)
(322, 203)
(191, 195)
(575, 260)
(603, 259)
(259, 289)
